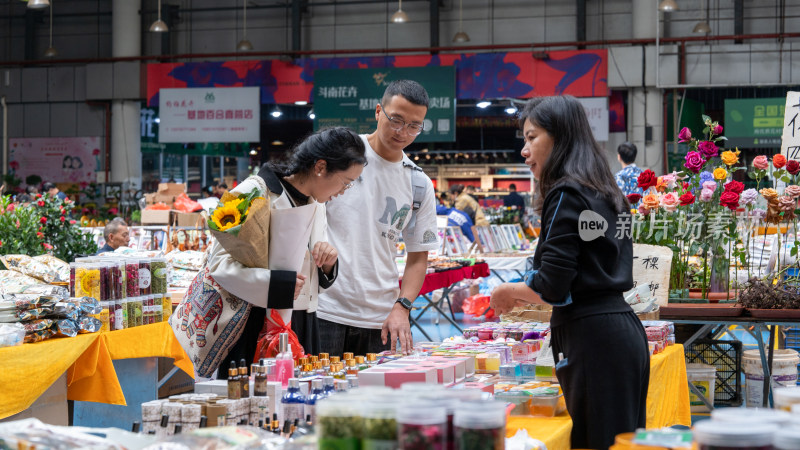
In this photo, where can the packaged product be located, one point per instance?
(38, 335)
(59, 267)
(59, 292)
(11, 334)
(189, 259)
(65, 328)
(26, 265)
(89, 325)
(14, 282)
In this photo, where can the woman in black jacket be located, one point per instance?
(582, 265)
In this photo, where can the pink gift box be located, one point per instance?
(410, 374)
(375, 376)
(459, 366)
(485, 387)
(445, 371)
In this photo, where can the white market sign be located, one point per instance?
(209, 115)
(790, 140)
(651, 266)
(597, 112)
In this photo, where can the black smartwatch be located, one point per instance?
(406, 303)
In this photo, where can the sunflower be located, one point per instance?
(227, 216)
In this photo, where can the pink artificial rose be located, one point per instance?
(761, 162)
(792, 191)
(685, 135)
(670, 180)
(706, 195)
(694, 162)
(643, 210)
(710, 185)
(670, 202)
(718, 129)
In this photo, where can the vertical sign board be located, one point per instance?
(209, 115)
(754, 122)
(651, 266)
(597, 112)
(347, 97)
(790, 140)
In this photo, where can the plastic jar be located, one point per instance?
(145, 277)
(785, 397)
(761, 415)
(87, 281)
(158, 308)
(712, 435)
(166, 307)
(422, 426)
(480, 426)
(158, 275)
(132, 277)
(339, 423)
(380, 425)
(787, 439)
(485, 334)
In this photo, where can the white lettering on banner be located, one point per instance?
(338, 91)
(651, 266)
(210, 115)
(367, 104)
(439, 102)
(790, 140)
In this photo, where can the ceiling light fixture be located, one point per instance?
(399, 16)
(244, 45)
(483, 104)
(253, 152)
(38, 4)
(301, 102)
(311, 114)
(51, 51)
(702, 27)
(460, 37)
(276, 112)
(668, 6)
(511, 110)
(159, 26)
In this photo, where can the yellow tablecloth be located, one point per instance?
(667, 403)
(28, 370)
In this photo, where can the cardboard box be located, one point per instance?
(166, 193)
(410, 374)
(50, 407)
(187, 219)
(173, 380)
(445, 372)
(155, 217)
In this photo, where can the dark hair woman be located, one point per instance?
(322, 166)
(600, 348)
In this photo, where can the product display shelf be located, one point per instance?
(87, 359)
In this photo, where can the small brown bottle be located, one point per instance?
(352, 369)
(335, 359)
(324, 356)
(347, 355)
(260, 382)
(244, 380)
(234, 391)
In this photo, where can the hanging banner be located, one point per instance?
(209, 115)
(58, 160)
(597, 113)
(581, 73)
(149, 122)
(790, 140)
(754, 122)
(348, 98)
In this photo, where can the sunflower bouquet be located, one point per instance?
(240, 224)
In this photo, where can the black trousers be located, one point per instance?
(337, 339)
(604, 377)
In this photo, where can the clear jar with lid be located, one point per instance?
(762, 415)
(785, 397)
(132, 277)
(480, 425)
(380, 425)
(158, 308)
(87, 281)
(158, 275)
(422, 426)
(138, 310)
(712, 435)
(145, 277)
(166, 307)
(339, 425)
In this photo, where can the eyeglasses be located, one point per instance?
(345, 185)
(397, 124)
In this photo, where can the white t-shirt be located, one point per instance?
(364, 225)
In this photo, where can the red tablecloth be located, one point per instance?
(438, 280)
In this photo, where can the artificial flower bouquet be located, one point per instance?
(240, 224)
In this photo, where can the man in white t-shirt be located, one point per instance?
(366, 311)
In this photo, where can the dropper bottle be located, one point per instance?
(284, 362)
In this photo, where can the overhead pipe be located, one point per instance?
(388, 51)
(107, 106)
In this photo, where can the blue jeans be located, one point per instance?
(336, 339)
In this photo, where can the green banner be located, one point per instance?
(348, 98)
(148, 121)
(754, 122)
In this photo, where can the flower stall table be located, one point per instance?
(717, 326)
(507, 264)
(667, 403)
(30, 369)
(445, 280)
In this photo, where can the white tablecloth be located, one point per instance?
(506, 262)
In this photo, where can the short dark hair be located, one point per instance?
(222, 186)
(47, 186)
(408, 89)
(24, 198)
(456, 189)
(512, 187)
(339, 147)
(627, 152)
(576, 156)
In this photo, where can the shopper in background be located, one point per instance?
(366, 311)
(222, 188)
(323, 166)
(457, 218)
(51, 189)
(627, 177)
(600, 347)
(116, 235)
(513, 199)
(468, 204)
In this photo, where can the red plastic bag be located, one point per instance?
(269, 337)
(160, 206)
(185, 204)
(477, 305)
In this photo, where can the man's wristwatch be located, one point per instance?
(404, 302)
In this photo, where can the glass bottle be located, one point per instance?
(293, 401)
(326, 365)
(234, 391)
(324, 356)
(361, 363)
(338, 372)
(317, 393)
(318, 370)
(244, 379)
(284, 362)
(327, 384)
(342, 386)
(335, 359)
(347, 355)
(352, 369)
(260, 382)
(308, 371)
(372, 359)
